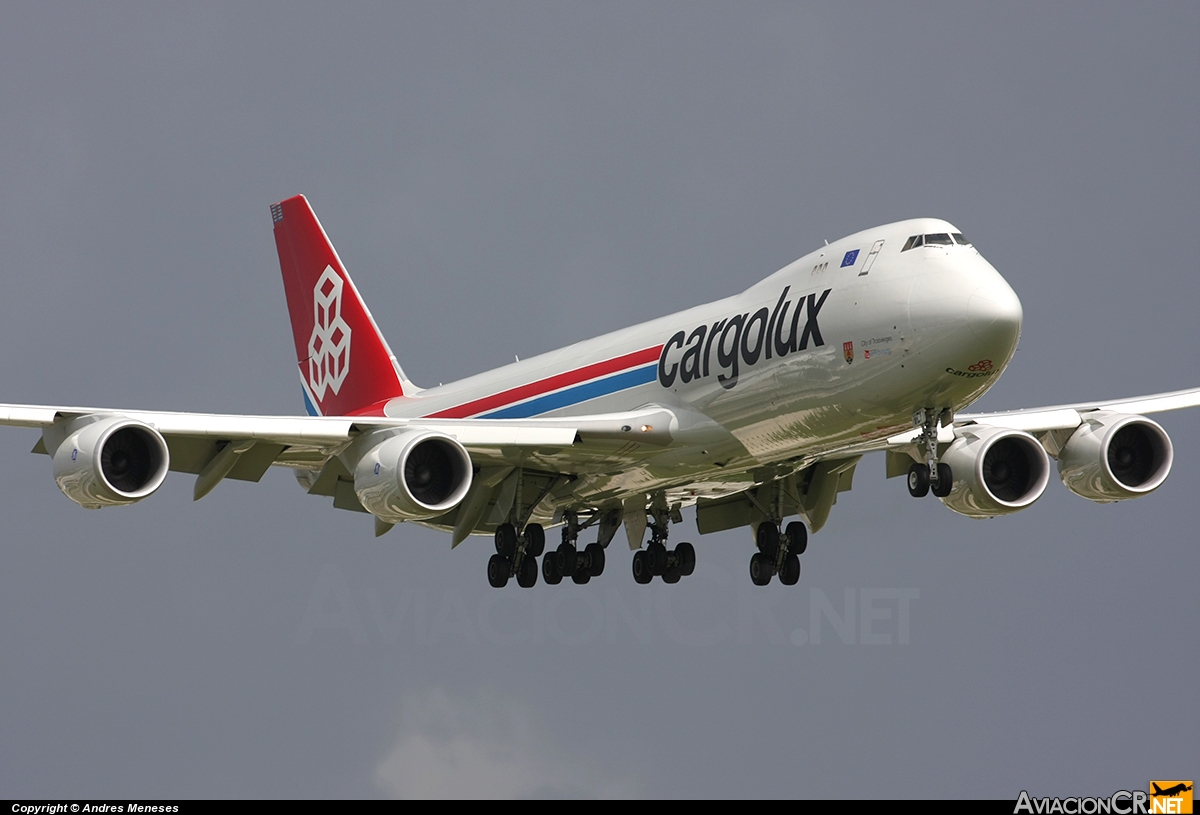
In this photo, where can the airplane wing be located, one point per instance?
(963, 443)
(1059, 417)
(998, 463)
(217, 446)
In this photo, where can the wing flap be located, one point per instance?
(253, 464)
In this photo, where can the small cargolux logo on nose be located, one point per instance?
(329, 345)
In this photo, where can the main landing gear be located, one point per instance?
(516, 555)
(778, 554)
(932, 476)
(568, 561)
(656, 560)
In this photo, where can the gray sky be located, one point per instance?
(506, 178)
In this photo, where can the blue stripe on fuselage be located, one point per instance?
(577, 394)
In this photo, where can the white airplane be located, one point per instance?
(755, 408)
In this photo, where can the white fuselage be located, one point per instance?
(824, 354)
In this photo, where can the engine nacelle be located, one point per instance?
(1114, 456)
(110, 462)
(996, 471)
(413, 476)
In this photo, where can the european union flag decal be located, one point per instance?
(849, 259)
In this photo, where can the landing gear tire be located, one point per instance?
(641, 568)
(498, 571)
(686, 554)
(918, 480)
(535, 540)
(551, 573)
(797, 535)
(581, 576)
(594, 553)
(760, 569)
(506, 542)
(527, 574)
(671, 575)
(656, 558)
(568, 559)
(789, 575)
(767, 538)
(945, 481)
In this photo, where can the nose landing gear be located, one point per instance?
(931, 476)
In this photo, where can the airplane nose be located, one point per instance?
(994, 313)
(963, 312)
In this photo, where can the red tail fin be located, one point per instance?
(345, 364)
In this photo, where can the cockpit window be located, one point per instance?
(936, 239)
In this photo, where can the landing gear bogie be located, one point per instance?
(568, 561)
(778, 554)
(516, 555)
(656, 560)
(920, 483)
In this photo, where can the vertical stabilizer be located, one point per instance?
(345, 364)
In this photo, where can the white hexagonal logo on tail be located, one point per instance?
(329, 345)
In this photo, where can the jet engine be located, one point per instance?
(1112, 457)
(110, 462)
(413, 476)
(996, 471)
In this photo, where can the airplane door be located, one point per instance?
(871, 258)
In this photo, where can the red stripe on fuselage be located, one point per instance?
(551, 383)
